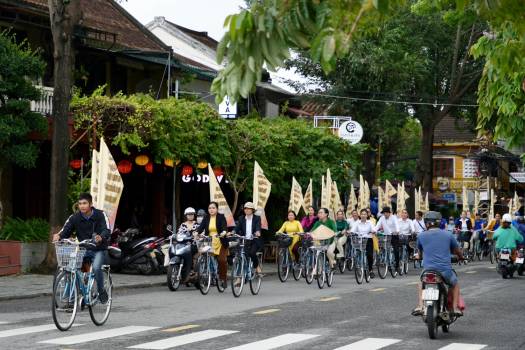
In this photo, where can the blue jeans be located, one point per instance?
(97, 258)
(450, 277)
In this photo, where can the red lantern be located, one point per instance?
(187, 170)
(75, 164)
(124, 166)
(218, 171)
(149, 167)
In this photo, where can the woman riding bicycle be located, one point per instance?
(215, 226)
(324, 220)
(464, 228)
(364, 228)
(187, 230)
(406, 229)
(340, 238)
(290, 227)
(309, 220)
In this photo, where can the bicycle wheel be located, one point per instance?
(98, 311)
(341, 264)
(320, 270)
(64, 302)
(309, 267)
(382, 267)
(391, 265)
(255, 282)
(237, 281)
(350, 263)
(367, 274)
(329, 275)
(359, 269)
(405, 262)
(283, 266)
(297, 270)
(204, 274)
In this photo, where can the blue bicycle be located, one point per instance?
(361, 268)
(242, 268)
(207, 267)
(73, 288)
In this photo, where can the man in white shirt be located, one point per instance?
(353, 219)
(389, 225)
(406, 229)
(419, 223)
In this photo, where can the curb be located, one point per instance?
(131, 286)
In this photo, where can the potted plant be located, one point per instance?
(22, 244)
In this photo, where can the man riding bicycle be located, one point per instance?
(90, 223)
(435, 245)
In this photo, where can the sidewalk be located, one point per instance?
(33, 285)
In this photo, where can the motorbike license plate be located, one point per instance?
(504, 256)
(519, 260)
(430, 294)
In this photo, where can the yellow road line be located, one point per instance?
(412, 283)
(181, 328)
(330, 299)
(264, 312)
(377, 290)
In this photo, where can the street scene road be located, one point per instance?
(292, 315)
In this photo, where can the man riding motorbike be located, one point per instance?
(506, 236)
(435, 245)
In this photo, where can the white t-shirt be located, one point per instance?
(363, 229)
(352, 221)
(406, 227)
(419, 226)
(249, 234)
(389, 226)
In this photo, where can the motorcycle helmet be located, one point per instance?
(189, 210)
(506, 218)
(201, 212)
(432, 218)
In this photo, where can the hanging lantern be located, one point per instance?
(124, 166)
(168, 162)
(149, 167)
(142, 160)
(218, 171)
(187, 170)
(75, 164)
(202, 164)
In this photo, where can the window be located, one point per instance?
(470, 168)
(443, 167)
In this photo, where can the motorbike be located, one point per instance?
(179, 249)
(437, 301)
(506, 267)
(130, 254)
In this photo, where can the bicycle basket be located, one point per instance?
(322, 242)
(284, 241)
(69, 256)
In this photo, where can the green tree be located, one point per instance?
(18, 66)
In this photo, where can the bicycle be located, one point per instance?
(403, 256)
(361, 268)
(242, 268)
(321, 269)
(464, 246)
(346, 261)
(73, 288)
(207, 267)
(285, 262)
(415, 257)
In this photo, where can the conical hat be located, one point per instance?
(322, 232)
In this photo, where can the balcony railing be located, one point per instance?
(45, 104)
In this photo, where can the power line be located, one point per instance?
(391, 101)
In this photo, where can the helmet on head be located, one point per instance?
(432, 218)
(201, 212)
(189, 210)
(506, 218)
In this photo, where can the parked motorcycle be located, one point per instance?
(506, 267)
(437, 300)
(130, 254)
(179, 252)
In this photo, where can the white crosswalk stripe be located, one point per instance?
(463, 346)
(182, 339)
(29, 330)
(4, 322)
(275, 342)
(94, 336)
(370, 344)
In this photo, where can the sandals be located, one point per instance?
(418, 311)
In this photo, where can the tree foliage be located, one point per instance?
(192, 131)
(19, 68)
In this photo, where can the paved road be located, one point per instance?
(285, 316)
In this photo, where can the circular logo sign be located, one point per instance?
(351, 131)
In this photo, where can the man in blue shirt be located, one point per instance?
(436, 245)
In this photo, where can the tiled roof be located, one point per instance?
(451, 129)
(200, 36)
(108, 16)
